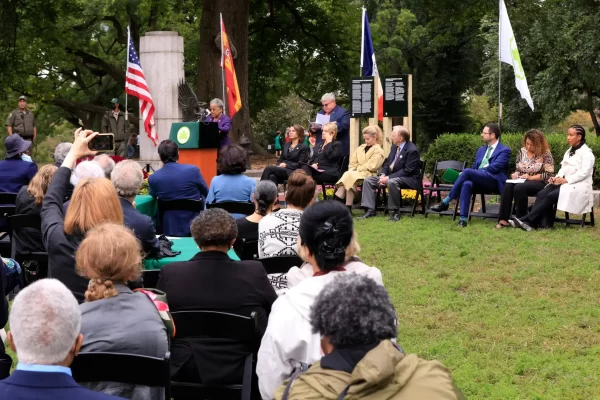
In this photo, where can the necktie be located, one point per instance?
(395, 158)
(486, 159)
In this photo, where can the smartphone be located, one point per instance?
(103, 142)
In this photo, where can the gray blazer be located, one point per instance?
(127, 323)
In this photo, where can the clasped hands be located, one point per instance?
(557, 180)
(383, 180)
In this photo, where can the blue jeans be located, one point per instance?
(469, 180)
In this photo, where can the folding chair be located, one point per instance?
(341, 163)
(177, 205)
(420, 195)
(280, 265)
(438, 186)
(483, 213)
(17, 224)
(234, 207)
(7, 208)
(567, 220)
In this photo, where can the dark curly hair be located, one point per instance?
(214, 227)
(540, 144)
(326, 230)
(353, 310)
(232, 160)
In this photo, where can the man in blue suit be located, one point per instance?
(176, 181)
(45, 321)
(488, 173)
(340, 116)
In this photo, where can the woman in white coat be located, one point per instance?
(570, 190)
(326, 230)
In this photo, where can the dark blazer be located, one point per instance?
(406, 166)
(26, 385)
(176, 181)
(141, 225)
(498, 163)
(15, 173)
(70, 188)
(28, 239)
(294, 159)
(328, 158)
(5, 361)
(342, 117)
(61, 247)
(211, 280)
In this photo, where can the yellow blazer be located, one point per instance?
(362, 166)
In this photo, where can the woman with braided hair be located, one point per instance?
(326, 230)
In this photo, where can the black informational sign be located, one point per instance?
(362, 97)
(395, 96)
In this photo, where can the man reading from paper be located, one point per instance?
(331, 112)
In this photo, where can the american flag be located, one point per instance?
(135, 85)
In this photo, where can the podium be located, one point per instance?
(198, 144)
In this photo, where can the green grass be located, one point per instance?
(513, 315)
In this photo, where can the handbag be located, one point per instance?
(159, 299)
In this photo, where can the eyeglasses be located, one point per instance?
(325, 104)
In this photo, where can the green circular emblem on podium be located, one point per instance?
(183, 135)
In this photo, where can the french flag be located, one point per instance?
(367, 60)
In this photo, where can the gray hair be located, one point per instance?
(353, 310)
(213, 227)
(86, 169)
(127, 178)
(218, 103)
(106, 163)
(402, 131)
(61, 151)
(265, 194)
(45, 321)
(328, 97)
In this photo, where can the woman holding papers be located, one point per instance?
(295, 154)
(323, 166)
(570, 190)
(535, 166)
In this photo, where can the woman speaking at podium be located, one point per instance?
(217, 115)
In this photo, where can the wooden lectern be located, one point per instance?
(199, 145)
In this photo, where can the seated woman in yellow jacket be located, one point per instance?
(364, 162)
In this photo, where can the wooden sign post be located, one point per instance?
(364, 105)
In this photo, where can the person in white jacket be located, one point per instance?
(570, 190)
(326, 230)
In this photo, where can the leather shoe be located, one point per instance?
(462, 223)
(440, 207)
(368, 214)
(522, 225)
(395, 217)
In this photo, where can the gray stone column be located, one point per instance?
(161, 55)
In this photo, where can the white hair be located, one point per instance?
(86, 169)
(106, 163)
(218, 103)
(328, 97)
(44, 320)
(61, 151)
(127, 178)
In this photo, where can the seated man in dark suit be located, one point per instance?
(127, 178)
(45, 321)
(212, 281)
(176, 181)
(487, 173)
(400, 170)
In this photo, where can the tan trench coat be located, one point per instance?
(362, 166)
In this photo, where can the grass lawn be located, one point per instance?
(513, 315)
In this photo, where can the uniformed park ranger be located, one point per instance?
(22, 121)
(114, 122)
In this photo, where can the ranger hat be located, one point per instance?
(23, 98)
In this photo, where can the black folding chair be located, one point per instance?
(217, 325)
(177, 205)
(341, 163)
(150, 277)
(7, 208)
(34, 264)
(246, 249)
(123, 368)
(420, 195)
(280, 265)
(483, 213)
(234, 207)
(567, 220)
(438, 185)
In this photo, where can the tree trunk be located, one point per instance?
(590, 107)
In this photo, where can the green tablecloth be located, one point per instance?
(188, 249)
(146, 204)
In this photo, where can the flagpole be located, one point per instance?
(222, 65)
(126, 62)
(499, 63)
(362, 41)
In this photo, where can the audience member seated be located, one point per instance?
(278, 231)
(106, 163)
(176, 181)
(110, 256)
(212, 281)
(29, 202)
(84, 170)
(535, 164)
(570, 190)
(295, 153)
(231, 185)
(14, 171)
(488, 173)
(326, 231)
(94, 202)
(5, 359)
(357, 322)
(60, 152)
(401, 170)
(265, 197)
(45, 321)
(127, 178)
(324, 166)
(364, 162)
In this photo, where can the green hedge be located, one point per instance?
(462, 147)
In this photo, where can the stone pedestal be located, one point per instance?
(161, 55)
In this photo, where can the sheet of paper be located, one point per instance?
(317, 169)
(322, 119)
(515, 180)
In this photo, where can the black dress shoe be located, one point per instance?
(462, 223)
(368, 214)
(395, 217)
(440, 207)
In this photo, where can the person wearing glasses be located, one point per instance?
(340, 116)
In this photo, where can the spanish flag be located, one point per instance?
(234, 97)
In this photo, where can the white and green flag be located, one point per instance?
(509, 53)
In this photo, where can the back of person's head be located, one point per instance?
(326, 230)
(109, 254)
(86, 169)
(38, 186)
(494, 128)
(168, 151)
(214, 227)
(265, 194)
(61, 151)
(374, 131)
(300, 189)
(127, 178)
(44, 322)
(232, 160)
(353, 310)
(299, 131)
(94, 201)
(107, 164)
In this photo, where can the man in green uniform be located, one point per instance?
(114, 122)
(22, 121)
